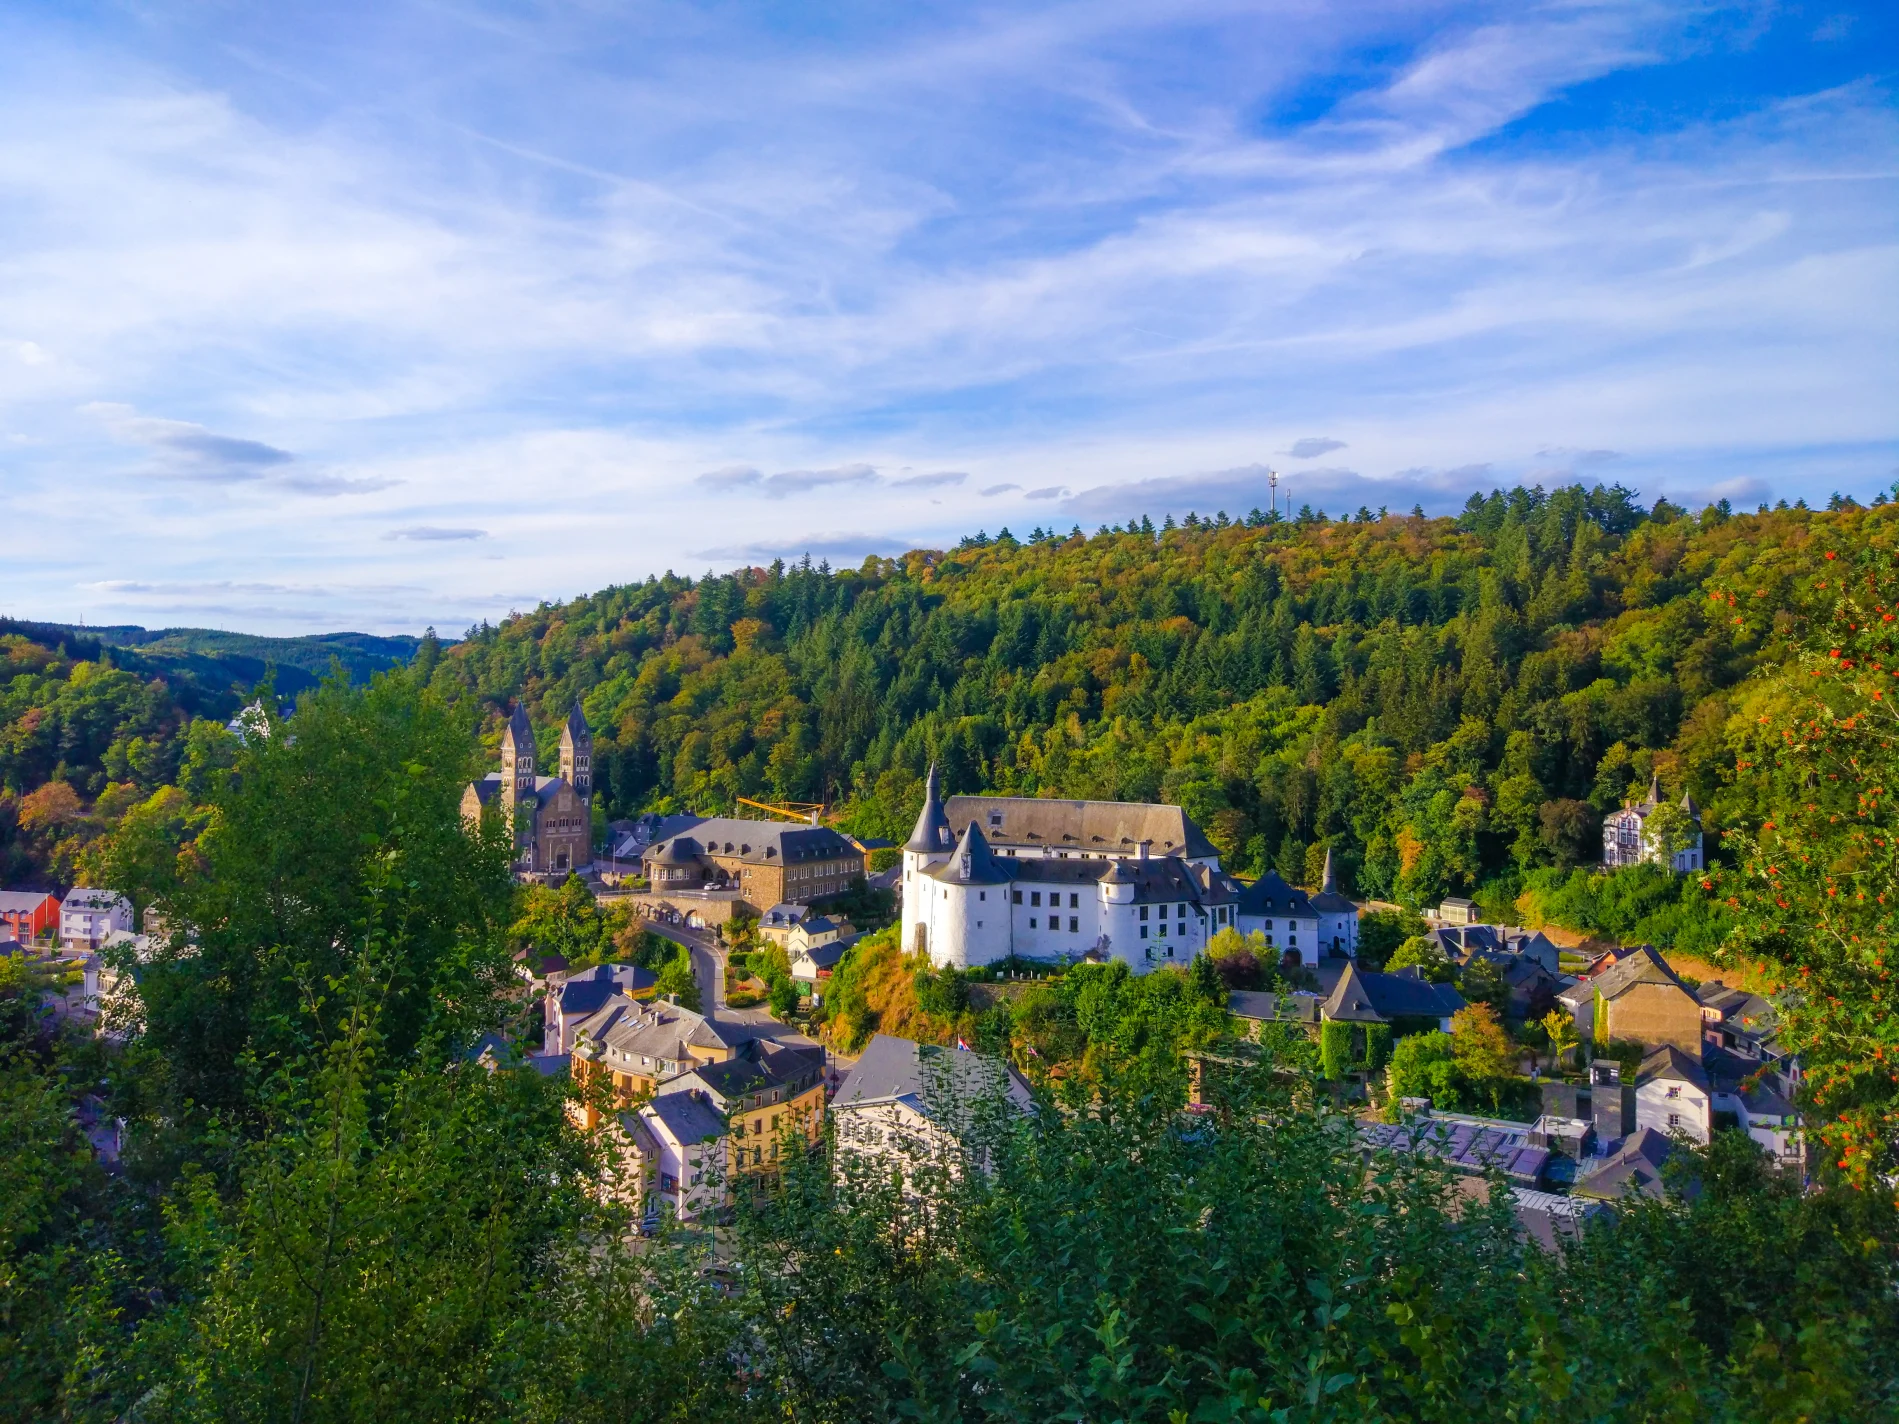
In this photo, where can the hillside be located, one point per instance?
(1450, 704)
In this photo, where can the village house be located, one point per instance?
(635, 1047)
(912, 1106)
(772, 1090)
(1404, 998)
(1637, 998)
(89, 917)
(551, 816)
(572, 999)
(1672, 1094)
(26, 914)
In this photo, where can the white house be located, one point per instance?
(922, 1107)
(1283, 914)
(1045, 879)
(688, 1168)
(1672, 1094)
(1627, 839)
(87, 917)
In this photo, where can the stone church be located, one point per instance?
(552, 816)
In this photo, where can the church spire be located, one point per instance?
(1654, 789)
(576, 753)
(1328, 883)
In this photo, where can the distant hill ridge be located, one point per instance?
(220, 661)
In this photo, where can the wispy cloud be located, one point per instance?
(433, 534)
(1047, 492)
(1313, 446)
(1118, 242)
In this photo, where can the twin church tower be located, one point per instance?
(552, 816)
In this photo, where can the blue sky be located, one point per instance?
(378, 315)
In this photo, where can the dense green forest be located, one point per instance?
(1449, 704)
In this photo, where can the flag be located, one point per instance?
(961, 1046)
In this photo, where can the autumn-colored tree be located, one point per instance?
(1816, 882)
(1482, 1049)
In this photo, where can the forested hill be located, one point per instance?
(1443, 701)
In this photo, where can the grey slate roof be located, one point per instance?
(896, 1069)
(24, 901)
(1118, 827)
(689, 1117)
(932, 834)
(972, 862)
(1328, 901)
(585, 992)
(754, 842)
(1364, 997)
(1634, 1169)
(1667, 1062)
(1270, 895)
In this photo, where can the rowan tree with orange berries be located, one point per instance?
(1815, 884)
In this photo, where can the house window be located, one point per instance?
(1035, 897)
(1674, 1119)
(1074, 924)
(1673, 1093)
(1269, 925)
(1018, 896)
(982, 894)
(1181, 910)
(1143, 916)
(1144, 936)
(1031, 922)
(1074, 902)
(1163, 929)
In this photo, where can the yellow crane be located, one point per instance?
(806, 811)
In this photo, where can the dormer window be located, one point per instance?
(995, 820)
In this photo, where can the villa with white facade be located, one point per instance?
(988, 877)
(1628, 840)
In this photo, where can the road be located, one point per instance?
(708, 967)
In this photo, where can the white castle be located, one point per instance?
(987, 877)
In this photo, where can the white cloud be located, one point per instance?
(592, 308)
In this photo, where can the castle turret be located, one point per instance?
(932, 836)
(1337, 916)
(576, 753)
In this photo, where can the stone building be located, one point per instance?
(766, 862)
(1639, 999)
(551, 816)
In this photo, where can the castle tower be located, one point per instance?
(929, 843)
(517, 773)
(576, 754)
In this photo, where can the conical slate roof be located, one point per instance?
(932, 835)
(1328, 900)
(1688, 805)
(1654, 790)
(973, 863)
(577, 721)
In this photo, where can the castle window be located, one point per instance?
(1074, 902)
(1031, 922)
(1144, 936)
(1035, 897)
(1074, 924)
(1018, 896)
(1143, 916)
(982, 894)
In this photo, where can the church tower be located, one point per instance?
(576, 754)
(517, 774)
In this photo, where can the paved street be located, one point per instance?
(708, 966)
